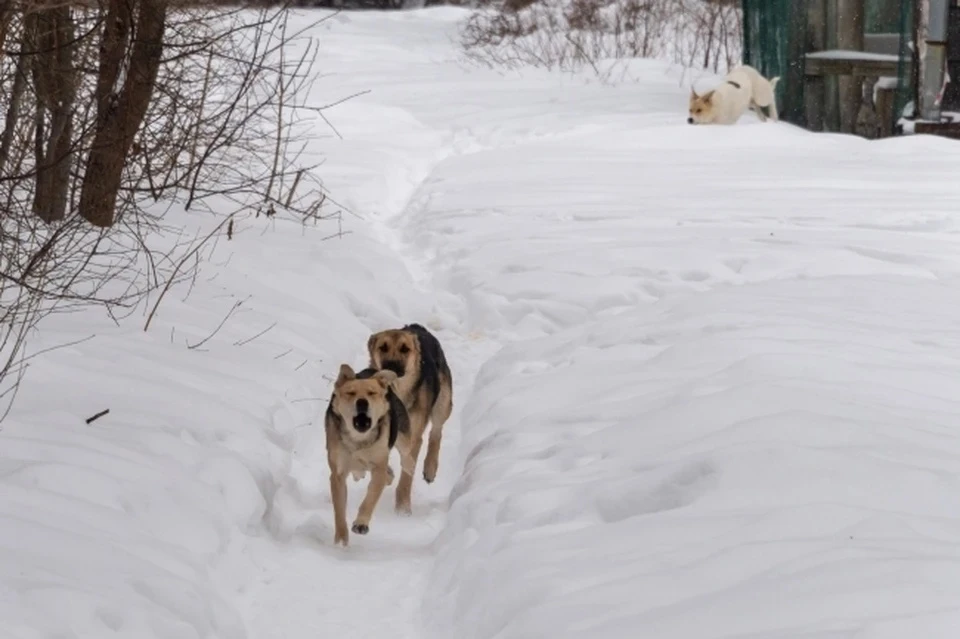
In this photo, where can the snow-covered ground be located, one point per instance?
(706, 383)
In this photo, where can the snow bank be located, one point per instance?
(776, 459)
(727, 404)
(130, 526)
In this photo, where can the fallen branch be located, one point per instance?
(90, 420)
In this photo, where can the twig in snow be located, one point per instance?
(179, 265)
(232, 310)
(58, 347)
(90, 420)
(247, 341)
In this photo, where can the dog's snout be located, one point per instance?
(363, 406)
(689, 120)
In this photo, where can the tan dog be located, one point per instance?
(426, 388)
(743, 88)
(364, 420)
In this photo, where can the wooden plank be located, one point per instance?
(943, 129)
(816, 37)
(814, 87)
(885, 105)
(850, 24)
(951, 97)
(886, 14)
(815, 99)
(866, 65)
(790, 87)
(885, 43)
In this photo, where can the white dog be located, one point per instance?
(743, 88)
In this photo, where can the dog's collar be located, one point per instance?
(734, 84)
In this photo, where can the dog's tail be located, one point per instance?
(773, 83)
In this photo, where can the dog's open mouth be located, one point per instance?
(396, 367)
(362, 423)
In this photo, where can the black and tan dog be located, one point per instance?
(364, 420)
(426, 387)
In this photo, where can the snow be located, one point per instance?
(705, 382)
(849, 54)
(771, 459)
(888, 83)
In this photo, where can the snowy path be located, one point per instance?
(423, 113)
(375, 589)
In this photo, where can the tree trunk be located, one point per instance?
(120, 111)
(850, 17)
(55, 82)
(6, 13)
(12, 118)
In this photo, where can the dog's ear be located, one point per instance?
(370, 344)
(693, 94)
(346, 374)
(707, 97)
(385, 377)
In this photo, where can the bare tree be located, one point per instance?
(121, 108)
(116, 112)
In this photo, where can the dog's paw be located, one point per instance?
(430, 465)
(360, 529)
(404, 510)
(341, 539)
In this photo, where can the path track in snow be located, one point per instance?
(308, 587)
(375, 587)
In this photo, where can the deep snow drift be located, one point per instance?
(725, 404)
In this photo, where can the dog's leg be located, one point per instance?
(378, 481)
(405, 485)
(773, 110)
(756, 108)
(774, 115)
(438, 417)
(408, 461)
(338, 493)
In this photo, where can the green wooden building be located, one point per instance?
(850, 65)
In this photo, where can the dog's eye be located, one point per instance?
(350, 394)
(383, 348)
(404, 349)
